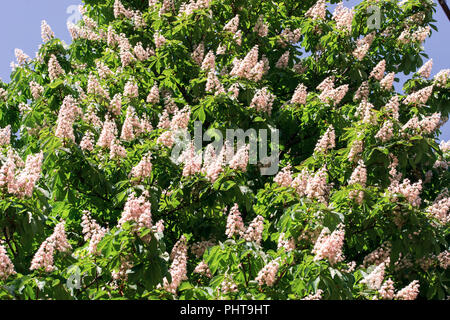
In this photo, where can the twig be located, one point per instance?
(444, 6)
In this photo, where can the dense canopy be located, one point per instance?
(101, 197)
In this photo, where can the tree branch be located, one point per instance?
(444, 6)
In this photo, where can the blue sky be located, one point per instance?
(20, 21)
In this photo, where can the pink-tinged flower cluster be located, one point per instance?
(95, 88)
(121, 11)
(287, 36)
(21, 57)
(137, 209)
(263, 100)
(159, 226)
(363, 92)
(131, 126)
(359, 176)
(124, 50)
(86, 31)
(387, 290)
(288, 245)
(421, 34)
(378, 71)
(337, 94)
(92, 232)
(313, 186)
(178, 269)
(169, 104)
(426, 125)
(115, 106)
(283, 62)
(23, 184)
(267, 275)
(45, 254)
(441, 164)
(54, 68)
(329, 246)
(387, 81)
(23, 108)
(365, 110)
(166, 138)
(361, 50)
(190, 7)
(232, 25)
(299, 68)
(261, 28)
(131, 90)
(233, 90)
(363, 45)
(87, 143)
(318, 11)
(300, 94)
(425, 70)
(8, 170)
(221, 49)
(192, 160)
(166, 6)
(410, 292)
(444, 259)
(326, 84)
(6, 265)
(327, 141)
(430, 123)
(213, 163)
(159, 39)
(386, 132)
(153, 96)
(440, 209)
(203, 268)
(284, 177)
(419, 97)
(144, 168)
(343, 17)
(315, 296)
(235, 225)
(103, 70)
(250, 67)
(355, 150)
(240, 159)
(91, 117)
(228, 285)
(444, 146)
(255, 230)
(108, 134)
(209, 62)
(112, 38)
(3, 94)
(199, 53)
(36, 90)
(181, 118)
(392, 107)
(5, 136)
(441, 78)
(238, 37)
(329, 92)
(138, 20)
(122, 273)
(68, 113)
(46, 32)
(375, 279)
(411, 191)
(213, 83)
